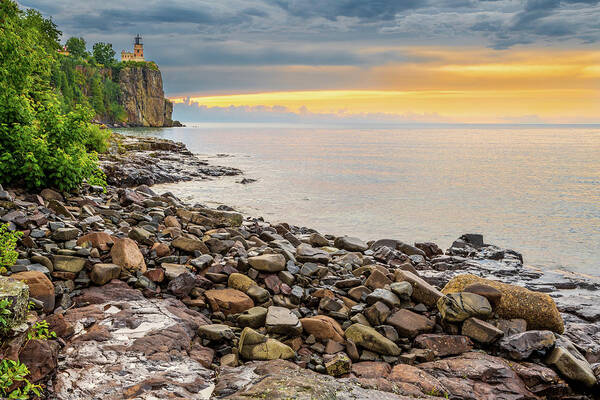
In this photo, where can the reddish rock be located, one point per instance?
(410, 324)
(161, 249)
(113, 291)
(60, 326)
(323, 327)
(415, 376)
(204, 355)
(40, 357)
(171, 222)
(444, 345)
(40, 287)
(99, 240)
(103, 273)
(491, 293)
(155, 274)
(478, 376)
(229, 301)
(377, 280)
(371, 369)
(125, 252)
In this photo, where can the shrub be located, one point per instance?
(40, 331)
(8, 242)
(40, 143)
(12, 372)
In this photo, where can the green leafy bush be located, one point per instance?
(4, 314)
(40, 331)
(12, 372)
(41, 143)
(8, 242)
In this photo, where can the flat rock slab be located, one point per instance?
(278, 380)
(131, 347)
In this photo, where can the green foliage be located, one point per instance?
(12, 372)
(136, 64)
(42, 139)
(77, 48)
(8, 242)
(104, 54)
(40, 331)
(4, 314)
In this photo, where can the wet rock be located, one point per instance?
(268, 262)
(125, 252)
(457, 307)
(423, 292)
(350, 244)
(40, 287)
(444, 345)
(538, 309)
(255, 346)
(103, 273)
(570, 363)
(281, 320)
(409, 324)
(370, 339)
(481, 331)
(228, 301)
(522, 345)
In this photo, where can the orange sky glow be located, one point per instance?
(473, 85)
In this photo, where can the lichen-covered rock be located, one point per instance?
(17, 294)
(538, 309)
(457, 307)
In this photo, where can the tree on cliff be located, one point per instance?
(40, 145)
(104, 54)
(76, 47)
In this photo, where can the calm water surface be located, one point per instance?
(533, 189)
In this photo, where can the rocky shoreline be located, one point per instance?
(153, 298)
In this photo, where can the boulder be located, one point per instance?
(522, 345)
(103, 273)
(457, 307)
(255, 346)
(491, 293)
(190, 245)
(323, 327)
(423, 292)
(370, 339)
(282, 321)
(125, 252)
(570, 363)
(172, 271)
(69, 264)
(339, 365)
(216, 332)
(229, 301)
(40, 287)
(350, 244)
(410, 324)
(40, 357)
(268, 262)
(444, 345)
(415, 376)
(481, 331)
(538, 309)
(240, 282)
(98, 240)
(254, 317)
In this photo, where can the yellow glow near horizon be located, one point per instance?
(471, 85)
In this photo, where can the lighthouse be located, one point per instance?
(138, 51)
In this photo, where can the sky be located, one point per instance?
(475, 61)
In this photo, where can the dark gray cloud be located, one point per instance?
(181, 34)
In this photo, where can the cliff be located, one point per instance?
(143, 98)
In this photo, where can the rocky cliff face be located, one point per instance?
(143, 97)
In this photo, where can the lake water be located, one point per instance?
(533, 189)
